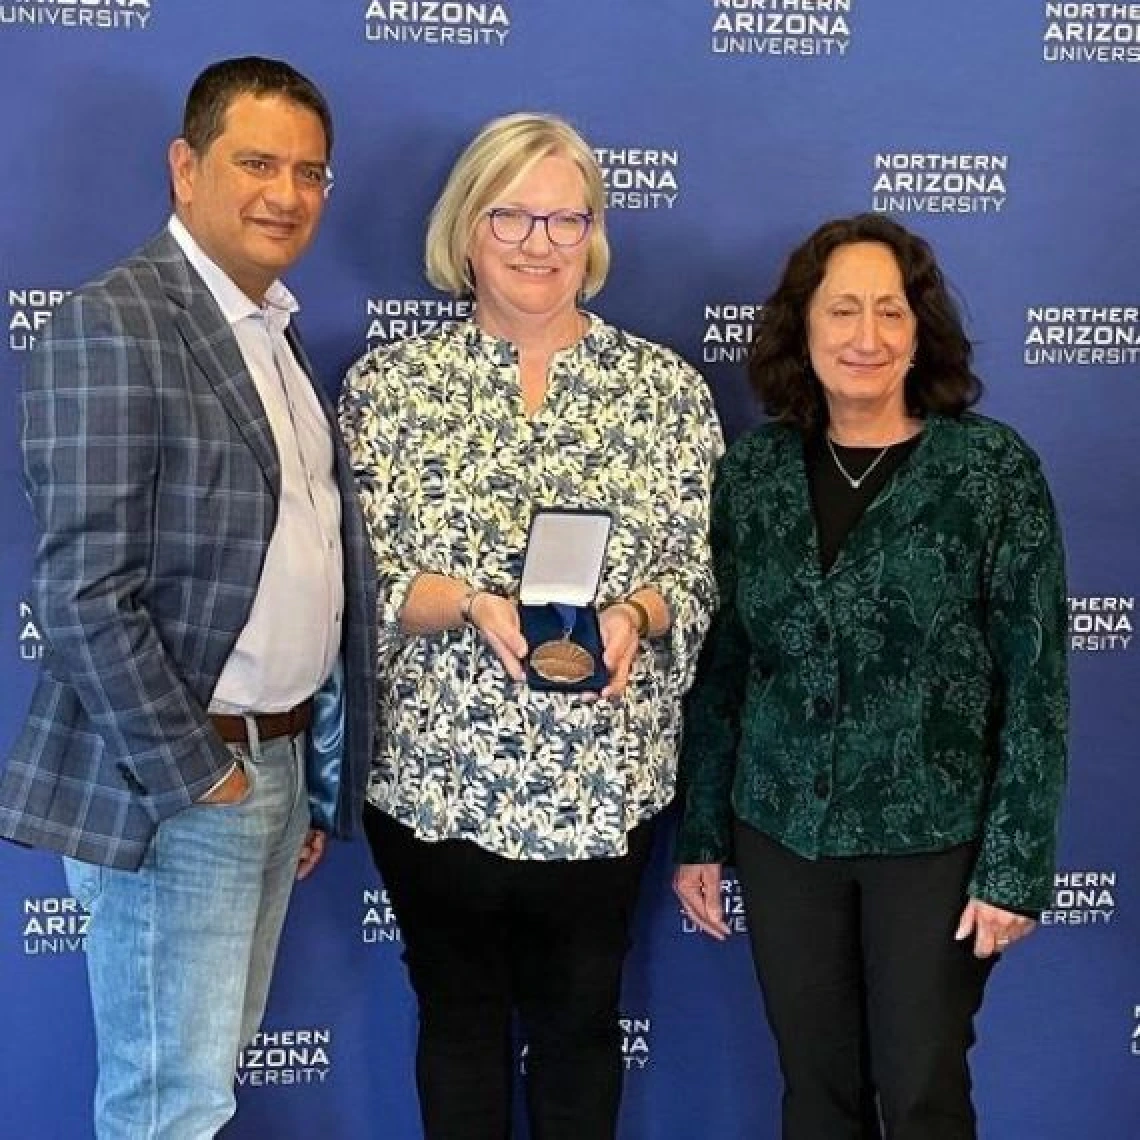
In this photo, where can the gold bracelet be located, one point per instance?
(642, 616)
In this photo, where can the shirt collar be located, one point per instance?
(279, 303)
(597, 337)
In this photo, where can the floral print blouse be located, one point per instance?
(912, 698)
(450, 470)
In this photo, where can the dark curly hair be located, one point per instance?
(941, 379)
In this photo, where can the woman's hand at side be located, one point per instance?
(697, 885)
(993, 929)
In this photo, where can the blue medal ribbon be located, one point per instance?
(568, 616)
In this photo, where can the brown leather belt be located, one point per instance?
(270, 726)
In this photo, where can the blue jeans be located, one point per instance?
(179, 953)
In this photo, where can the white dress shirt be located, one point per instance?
(292, 638)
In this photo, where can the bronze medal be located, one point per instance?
(562, 662)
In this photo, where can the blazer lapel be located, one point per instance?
(784, 500)
(920, 486)
(210, 341)
(294, 341)
(293, 338)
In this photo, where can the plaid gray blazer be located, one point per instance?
(153, 474)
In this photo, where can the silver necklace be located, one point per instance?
(855, 484)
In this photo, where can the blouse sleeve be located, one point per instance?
(371, 417)
(691, 443)
(1026, 631)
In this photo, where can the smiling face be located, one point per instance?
(253, 198)
(861, 332)
(533, 281)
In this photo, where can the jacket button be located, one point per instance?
(824, 708)
(822, 786)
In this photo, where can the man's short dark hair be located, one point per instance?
(221, 83)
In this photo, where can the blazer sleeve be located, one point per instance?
(715, 705)
(90, 439)
(1026, 632)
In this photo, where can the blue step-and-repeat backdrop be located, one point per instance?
(1006, 131)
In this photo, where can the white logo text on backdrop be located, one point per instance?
(729, 329)
(1091, 33)
(395, 318)
(444, 23)
(1082, 335)
(781, 27)
(926, 183)
(28, 312)
(54, 924)
(1097, 623)
(1082, 898)
(286, 1057)
(96, 15)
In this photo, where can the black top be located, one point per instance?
(837, 505)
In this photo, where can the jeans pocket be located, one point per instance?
(84, 881)
(242, 760)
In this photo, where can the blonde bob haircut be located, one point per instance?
(504, 151)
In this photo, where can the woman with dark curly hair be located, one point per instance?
(877, 734)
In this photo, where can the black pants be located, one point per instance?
(865, 988)
(484, 936)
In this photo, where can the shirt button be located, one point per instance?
(823, 707)
(822, 786)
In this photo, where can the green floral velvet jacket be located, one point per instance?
(913, 698)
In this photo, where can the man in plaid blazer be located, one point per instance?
(205, 712)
